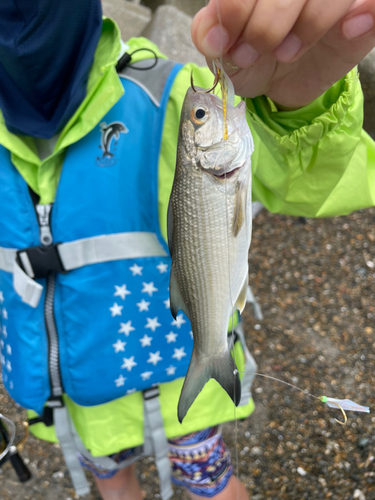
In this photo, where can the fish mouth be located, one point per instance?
(226, 175)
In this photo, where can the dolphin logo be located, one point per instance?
(110, 132)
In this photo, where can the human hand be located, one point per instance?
(289, 50)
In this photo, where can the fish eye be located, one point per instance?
(199, 115)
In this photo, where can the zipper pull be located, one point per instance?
(43, 213)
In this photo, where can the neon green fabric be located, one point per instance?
(315, 161)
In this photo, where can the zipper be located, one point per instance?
(43, 213)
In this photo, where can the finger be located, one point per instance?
(315, 20)
(217, 27)
(269, 24)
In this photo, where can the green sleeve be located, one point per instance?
(315, 161)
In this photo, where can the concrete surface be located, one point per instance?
(191, 7)
(170, 30)
(131, 18)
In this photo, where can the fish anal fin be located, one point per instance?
(240, 213)
(241, 299)
(222, 368)
(176, 301)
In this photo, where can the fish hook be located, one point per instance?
(342, 411)
(206, 91)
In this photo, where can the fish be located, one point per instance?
(209, 235)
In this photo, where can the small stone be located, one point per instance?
(301, 471)
(358, 495)
(363, 442)
(256, 451)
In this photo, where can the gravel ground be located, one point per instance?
(315, 281)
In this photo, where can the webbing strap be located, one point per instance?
(7, 256)
(250, 368)
(156, 441)
(29, 290)
(109, 247)
(256, 307)
(81, 253)
(65, 436)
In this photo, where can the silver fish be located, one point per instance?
(209, 234)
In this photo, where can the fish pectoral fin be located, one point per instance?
(170, 226)
(221, 368)
(176, 301)
(240, 212)
(241, 299)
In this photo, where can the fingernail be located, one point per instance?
(358, 26)
(288, 48)
(215, 42)
(244, 55)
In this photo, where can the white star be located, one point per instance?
(120, 381)
(136, 270)
(143, 305)
(130, 391)
(121, 291)
(5, 333)
(9, 349)
(171, 337)
(10, 385)
(167, 303)
(119, 346)
(170, 370)
(191, 334)
(5, 314)
(154, 358)
(145, 340)
(2, 344)
(163, 268)
(179, 353)
(8, 366)
(149, 288)
(1, 297)
(146, 375)
(152, 324)
(2, 360)
(126, 328)
(178, 321)
(128, 363)
(116, 310)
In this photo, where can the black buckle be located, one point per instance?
(151, 393)
(47, 416)
(39, 261)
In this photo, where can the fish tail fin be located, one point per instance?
(221, 368)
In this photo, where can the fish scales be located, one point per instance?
(209, 230)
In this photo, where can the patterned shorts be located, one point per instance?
(200, 462)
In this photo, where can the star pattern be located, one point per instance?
(121, 291)
(152, 324)
(167, 303)
(119, 346)
(143, 305)
(5, 347)
(116, 310)
(126, 328)
(171, 370)
(149, 288)
(154, 358)
(5, 313)
(1, 297)
(145, 341)
(136, 270)
(146, 375)
(163, 268)
(171, 337)
(179, 321)
(120, 381)
(128, 363)
(179, 353)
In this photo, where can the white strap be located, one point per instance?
(250, 368)
(250, 299)
(7, 256)
(29, 290)
(109, 247)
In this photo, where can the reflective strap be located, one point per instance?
(250, 368)
(29, 290)
(65, 436)
(110, 247)
(7, 257)
(156, 442)
(256, 307)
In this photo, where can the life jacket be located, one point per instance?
(84, 283)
